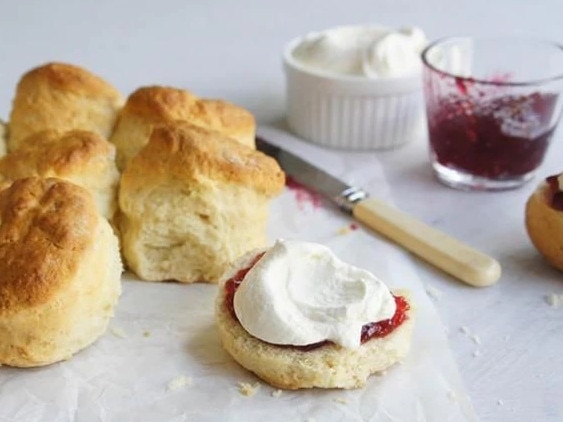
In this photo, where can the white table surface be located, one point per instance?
(232, 50)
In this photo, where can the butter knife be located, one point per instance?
(433, 246)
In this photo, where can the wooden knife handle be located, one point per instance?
(450, 255)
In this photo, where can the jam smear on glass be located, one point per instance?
(498, 138)
(369, 331)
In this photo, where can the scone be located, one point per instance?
(3, 133)
(310, 328)
(544, 219)
(62, 97)
(191, 201)
(81, 157)
(60, 272)
(153, 105)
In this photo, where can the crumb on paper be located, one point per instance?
(476, 353)
(347, 229)
(146, 333)
(554, 300)
(247, 389)
(464, 330)
(341, 400)
(476, 339)
(118, 332)
(344, 230)
(500, 402)
(452, 395)
(180, 381)
(277, 393)
(434, 293)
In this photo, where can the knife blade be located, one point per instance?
(428, 243)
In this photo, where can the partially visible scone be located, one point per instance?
(60, 272)
(62, 97)
(153, 105)
(544, 220)
(81, 157)
(193, 200)
(322, 364)
(3, 135)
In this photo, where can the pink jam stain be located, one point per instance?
(353, 226)
(303, 196)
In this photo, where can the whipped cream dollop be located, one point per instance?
(300, 293)
(373, 52)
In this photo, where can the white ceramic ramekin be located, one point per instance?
(352, 112)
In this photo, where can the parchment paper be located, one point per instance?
(161, 359)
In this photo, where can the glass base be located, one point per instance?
(461, 180)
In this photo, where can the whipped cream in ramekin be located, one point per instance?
(373, 52)
(300, 293)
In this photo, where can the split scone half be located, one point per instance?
(60, 272)
(192, 201)
(297, 317)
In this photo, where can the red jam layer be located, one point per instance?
(369, 331)
(556, 200)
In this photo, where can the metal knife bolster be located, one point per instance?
(349, 197)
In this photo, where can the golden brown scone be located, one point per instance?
(545, 225)
(153, 105)
(328, 366)
(3, 134)
(60, 272)
(81, 157)
(62, 97)
(191, 201)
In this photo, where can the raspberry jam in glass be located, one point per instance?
(502, 138)
(369, 331)
(492, 105)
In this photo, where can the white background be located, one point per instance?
(232, 50)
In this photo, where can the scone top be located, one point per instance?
(64, 97)
(160, 104)
(45, 226)
(187, 152)
(70, 78)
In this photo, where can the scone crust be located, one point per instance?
(67, 77)
(63, 97)
(544, 225)
(50, 153)
(159, 104)
(180, 150)
(45, 226)
(329, 366)
(150, 106)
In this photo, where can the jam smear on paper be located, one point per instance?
(302, 195)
